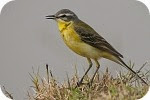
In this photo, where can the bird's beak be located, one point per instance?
(50, 17)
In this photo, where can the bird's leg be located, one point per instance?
(90, 65)
(98, 66)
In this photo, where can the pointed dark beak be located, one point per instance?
(50, 17)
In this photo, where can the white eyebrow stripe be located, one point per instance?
(68, 14)
(60, 15)
(65, 14)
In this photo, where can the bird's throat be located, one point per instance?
(63, 26)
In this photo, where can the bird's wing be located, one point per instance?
(91, 37)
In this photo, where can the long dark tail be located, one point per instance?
(127, 67)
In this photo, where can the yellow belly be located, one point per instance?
(73, 41)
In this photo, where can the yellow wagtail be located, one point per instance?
(85, 41)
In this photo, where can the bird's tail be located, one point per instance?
(122, 63)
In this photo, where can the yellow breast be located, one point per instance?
(74, 42)
(68, 34)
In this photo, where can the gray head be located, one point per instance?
(64, 14)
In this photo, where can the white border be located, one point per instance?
(146, 3)
(2, 96)
(4, 2)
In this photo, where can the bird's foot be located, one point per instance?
(79, 84)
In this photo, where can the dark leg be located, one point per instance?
(98, 66)
(90, 65)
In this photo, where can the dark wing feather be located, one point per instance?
(91, 37)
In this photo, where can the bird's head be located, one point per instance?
(64, 15)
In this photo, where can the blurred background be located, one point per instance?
(29, 40)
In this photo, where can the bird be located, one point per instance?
(86, 42)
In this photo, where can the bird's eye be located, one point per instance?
(63, 16)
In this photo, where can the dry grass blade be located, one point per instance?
(7, 93)
(105, 87)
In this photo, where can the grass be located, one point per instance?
(105, 87)
(7, 93)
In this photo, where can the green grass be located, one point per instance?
(105, 87)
